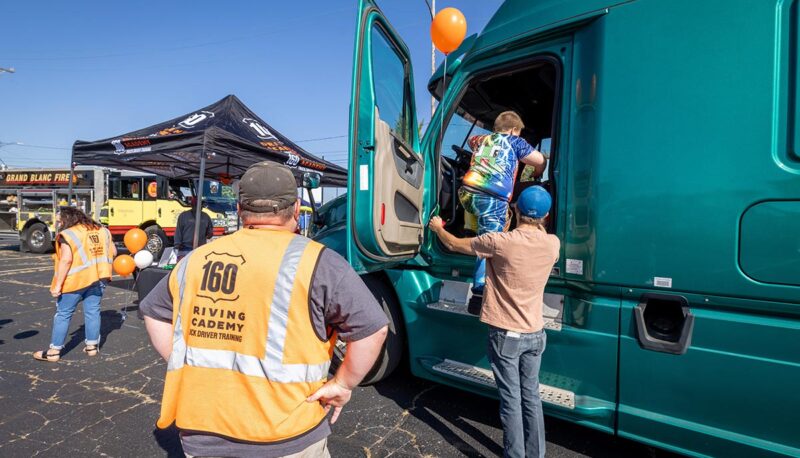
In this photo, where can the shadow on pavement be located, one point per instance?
(110, 321)
(25, 334)
(428, 402)
(456, 414)
(3, 323)
(169, 441)
(123, 283)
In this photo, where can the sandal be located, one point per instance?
(90, 350)
(45, 355)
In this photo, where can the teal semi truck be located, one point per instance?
(673, 135)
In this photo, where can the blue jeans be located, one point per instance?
(65, 307)
(492, 214)
(515, 363)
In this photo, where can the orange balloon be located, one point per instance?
(135, 240)
(124, 265)
(448, 30)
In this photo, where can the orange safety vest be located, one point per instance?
(245, 354)
(91, 257)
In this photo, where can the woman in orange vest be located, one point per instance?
(83, 259)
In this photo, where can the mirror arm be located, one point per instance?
(314, 214)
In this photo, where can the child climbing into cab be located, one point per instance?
(488, 185)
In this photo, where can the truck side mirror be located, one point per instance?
(311, 180)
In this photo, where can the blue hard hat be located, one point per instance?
(534, 202)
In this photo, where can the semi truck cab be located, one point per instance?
(674, 306)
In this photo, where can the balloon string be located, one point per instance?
(123, 312)
(441, 114)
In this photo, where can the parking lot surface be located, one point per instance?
(107, 405)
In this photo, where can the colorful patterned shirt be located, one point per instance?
(494, 163)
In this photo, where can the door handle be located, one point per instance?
(159, 213)
(111, 210)
(664, 323)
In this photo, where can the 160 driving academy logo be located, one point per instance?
(292, 160)
(260, 131)
(195, 119)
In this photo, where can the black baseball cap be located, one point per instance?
(267, 187)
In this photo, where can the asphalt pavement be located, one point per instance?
(107, 405)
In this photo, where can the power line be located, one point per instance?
(319, 139)
(84, 68)
(286, 25)
(23, 164)
(25, 145)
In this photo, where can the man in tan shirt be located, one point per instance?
(518, 264)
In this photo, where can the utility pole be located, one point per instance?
(3, 165)
(322, 197)
(432, 10)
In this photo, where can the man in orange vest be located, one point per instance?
(83, 259)
(248, 323)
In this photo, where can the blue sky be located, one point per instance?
(90, 70)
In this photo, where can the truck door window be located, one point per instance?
(181, 191)
(528, 173)
(390, 77)
(126, 188)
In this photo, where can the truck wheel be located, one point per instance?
(156, 241)
(38, 238)
(392, 352)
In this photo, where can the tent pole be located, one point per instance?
(199, 197)
(71, 178)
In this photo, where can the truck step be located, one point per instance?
(460, 309)
(485, 377)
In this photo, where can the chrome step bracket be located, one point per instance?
(485, 377)
(455, 295)
(455, 292)
(553, 311)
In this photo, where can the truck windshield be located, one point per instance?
(219, 197)
(458, 132)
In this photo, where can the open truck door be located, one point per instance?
(387, 171)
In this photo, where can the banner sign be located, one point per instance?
(18, 178)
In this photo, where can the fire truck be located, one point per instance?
(30, 198)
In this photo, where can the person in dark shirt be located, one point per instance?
(184, 230)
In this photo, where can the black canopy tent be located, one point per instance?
(231, 135)
(219, 141)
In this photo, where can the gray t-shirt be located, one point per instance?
(339, 299)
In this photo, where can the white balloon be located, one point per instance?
(143, 258)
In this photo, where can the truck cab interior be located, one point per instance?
(532, 90)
